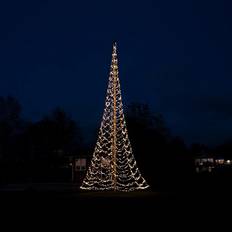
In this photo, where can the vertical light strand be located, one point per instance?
(114, 115)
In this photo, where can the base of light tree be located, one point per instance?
(114, 190)
(120, 194)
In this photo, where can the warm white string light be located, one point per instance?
(113, 166)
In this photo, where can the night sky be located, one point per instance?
(174, 55)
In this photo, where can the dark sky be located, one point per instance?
(174, 55)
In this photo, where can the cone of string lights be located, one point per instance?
(113, 166)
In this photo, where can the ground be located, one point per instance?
(65, 202)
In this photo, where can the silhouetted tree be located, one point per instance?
(149, 137)
(51, 140)
(162, 158)
(11, 126)
(224, 150)
(198, 149)
(11, 129)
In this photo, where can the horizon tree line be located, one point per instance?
(39, 151)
